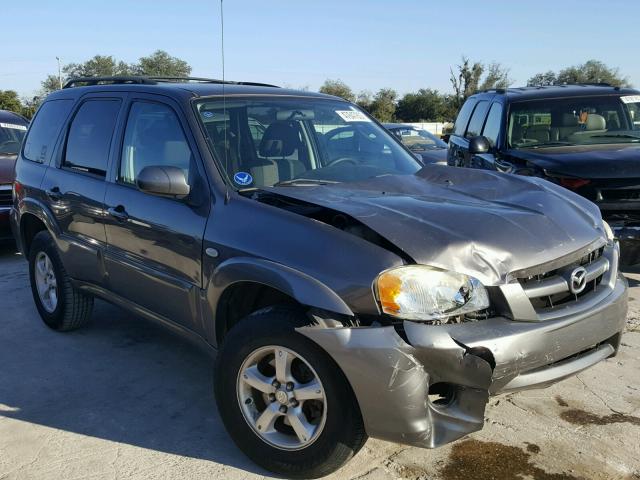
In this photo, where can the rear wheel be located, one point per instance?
(61, 306)
(283, 400)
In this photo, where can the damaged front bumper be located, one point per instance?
(392, 377)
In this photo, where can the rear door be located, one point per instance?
(154, 255)
(75, 184)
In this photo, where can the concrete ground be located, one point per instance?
(123, 398)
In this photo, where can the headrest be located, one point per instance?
(280, 139)
(596, 122)
(569, 120)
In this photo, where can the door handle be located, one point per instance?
(54, 193)
(119, 213)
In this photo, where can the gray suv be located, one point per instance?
(348, 290)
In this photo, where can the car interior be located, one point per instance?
(554, 121)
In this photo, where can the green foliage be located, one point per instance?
(383, 106)
(161, 64)
(9, 100)
(426, 105)
(338, 88)
(468, 79)
(592, 71)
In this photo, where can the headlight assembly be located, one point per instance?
(420, 292)
(608, 232)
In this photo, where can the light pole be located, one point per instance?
(59, 72)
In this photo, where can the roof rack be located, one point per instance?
(152, 80)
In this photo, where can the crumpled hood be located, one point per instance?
(476, 222)
(7, 166)
(586, 161)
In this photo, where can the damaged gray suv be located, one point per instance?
(348, 290)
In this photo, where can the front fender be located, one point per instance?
(300, 286)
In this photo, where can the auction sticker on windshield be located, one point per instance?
(631, 99)
(353, 116)
(13, 125)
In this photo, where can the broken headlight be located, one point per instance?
(420, 292)
(608, 232)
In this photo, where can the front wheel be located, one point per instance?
(283, 400)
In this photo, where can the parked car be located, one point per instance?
(583, 137)
(349, 290)
(12, 130)
(430, 148)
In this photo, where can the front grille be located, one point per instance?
(621, 194)
(550, 290)
(5, 196)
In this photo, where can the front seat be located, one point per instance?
(282, 144)
(595, 124)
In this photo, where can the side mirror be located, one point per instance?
(159, 180)
(479, 145)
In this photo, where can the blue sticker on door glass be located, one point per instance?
(243, 178)
(207, 114)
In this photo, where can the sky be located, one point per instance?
(402, 44)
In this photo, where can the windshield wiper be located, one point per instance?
(302, 182)
(616, 135)
(549, 144)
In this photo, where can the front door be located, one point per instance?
(154, 252)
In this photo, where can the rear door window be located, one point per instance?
(45, 129)
(90, 135)
(477, 119)
(463, 118)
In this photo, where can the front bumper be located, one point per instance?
(391, 376)
(5, 229)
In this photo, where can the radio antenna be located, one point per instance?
(224, 107)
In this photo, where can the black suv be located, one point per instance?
(583, 137)
(349, 290)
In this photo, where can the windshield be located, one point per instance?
(11, 136)
(575, 121)
(271, 141)
(418, 140)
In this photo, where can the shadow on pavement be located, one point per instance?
(121, 378)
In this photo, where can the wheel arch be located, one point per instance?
(34, 217)
(260, 283)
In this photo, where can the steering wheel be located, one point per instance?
(340, 160)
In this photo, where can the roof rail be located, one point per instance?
(151, 80)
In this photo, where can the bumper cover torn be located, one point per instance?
(391, 377)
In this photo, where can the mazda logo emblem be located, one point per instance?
(578, 280)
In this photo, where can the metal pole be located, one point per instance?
(59, 72)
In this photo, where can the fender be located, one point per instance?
(298, 285)
(38, 209)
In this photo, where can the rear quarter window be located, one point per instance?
(462, 120)
(45, 129)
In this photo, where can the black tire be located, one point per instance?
(343, 434)
(73, 308)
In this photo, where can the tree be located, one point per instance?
(9, 100)
(161, 64)
(424, 105)
(592, 71)
(98, 66)
(467, 79)
(383, 106)
(364, 100)
(338, 88)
